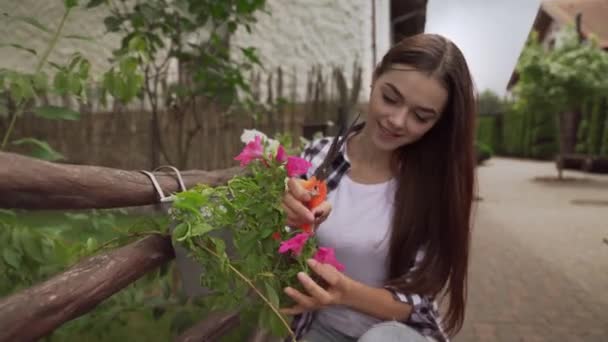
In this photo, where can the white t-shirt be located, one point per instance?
(358, 230)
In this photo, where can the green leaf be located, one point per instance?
(112, 24)
(29, 20)
(137, 43)
(181, 321)
(272, 295)
(92, 244)
(32, 246)
(56, 113)
(41, 81)
(55, 65)
(7, 213)
(19, 47)
(95, 3)
(76, 59)
(61, 82)
(79, 37)
(267, 275)
(75, 84)
(39, 149)
(11, 257)
(21, 88)
(220, 246)
(77, 217)
(71, 3)
(83, 71)
(181, 232)
(128, 65)
(3, 76)
(201, 228)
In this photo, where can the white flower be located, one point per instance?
(250, 134)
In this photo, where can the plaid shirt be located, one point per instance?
(424, 317)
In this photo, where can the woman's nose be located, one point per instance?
(398, 120)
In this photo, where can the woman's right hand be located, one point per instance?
(294, 204)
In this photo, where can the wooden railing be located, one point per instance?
(34, 184)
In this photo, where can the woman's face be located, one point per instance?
(404, 105)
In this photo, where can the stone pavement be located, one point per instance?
(539, 267)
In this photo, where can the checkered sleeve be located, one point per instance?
(315, 151)
(424, 316)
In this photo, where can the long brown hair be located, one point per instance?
(436, 182)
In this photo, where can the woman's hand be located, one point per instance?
(294, 204)
(337, 292)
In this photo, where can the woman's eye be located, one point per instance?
(389, 99)
(420, 118)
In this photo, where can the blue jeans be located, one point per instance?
(390, 331)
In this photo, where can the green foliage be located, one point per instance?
(597, 121)
(70, 3)
(28, 20)
(56, 113)
(24, 87)
(486, 130)
(124, 80)
(582, 133)
(231, 230)
(39, 149)
(559, 80)
(163, 29)
(489, 102)
(513, 124)
(292, 145)
(604, 148)
(37, 245)
(484, 152)
(28, 256)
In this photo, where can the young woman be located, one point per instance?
(400, 198)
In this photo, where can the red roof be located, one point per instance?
(594, 19)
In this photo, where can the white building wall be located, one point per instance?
(296, 35)
(49, 12)
(383, 28)
(301, 33)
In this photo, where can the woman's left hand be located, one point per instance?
(339, 286)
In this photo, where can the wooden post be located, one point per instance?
(211, 328)
(35, 312)
(35, 184)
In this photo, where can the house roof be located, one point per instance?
(594, 20)
(594, 16)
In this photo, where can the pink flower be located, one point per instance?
(253, 150)
(326, 255)
(297, 166)
(295, 244)
(281, 155)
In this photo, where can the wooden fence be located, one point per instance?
(106, 137)
(35, 312)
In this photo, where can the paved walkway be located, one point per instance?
(539, 267)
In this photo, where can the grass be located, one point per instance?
(133, 314)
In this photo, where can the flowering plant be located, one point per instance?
(237, 232)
